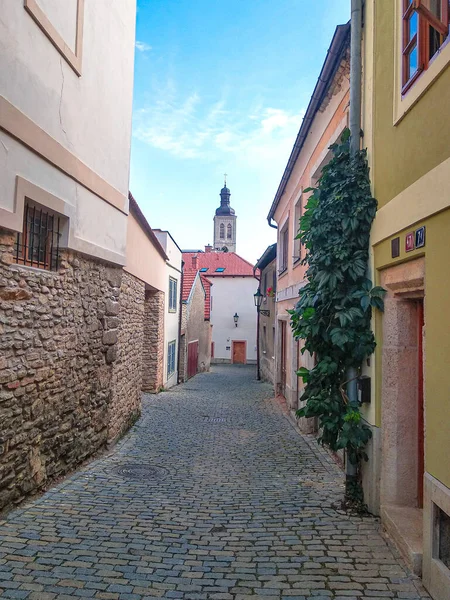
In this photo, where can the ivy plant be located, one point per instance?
(333, 314)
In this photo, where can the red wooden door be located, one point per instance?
(192, 359)
(239, 353)
(283, 358)
(420, 406)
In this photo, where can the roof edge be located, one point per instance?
(270, 253)
(139, 215)
(326, 76)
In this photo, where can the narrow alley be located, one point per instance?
(211, 495)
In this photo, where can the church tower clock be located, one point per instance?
(225, 223)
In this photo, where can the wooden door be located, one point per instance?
(239, 353)
(192, 359)
(283, 358)
(420, 406)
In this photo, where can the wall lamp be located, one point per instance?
(236, 319)
(258, 301)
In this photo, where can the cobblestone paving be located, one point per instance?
(213, 495)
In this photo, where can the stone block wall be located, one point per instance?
(58, 342)
(153, 352)
(125, 406)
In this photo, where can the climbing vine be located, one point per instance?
(333, 313)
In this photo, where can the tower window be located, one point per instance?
(222, 231)
(229, 231)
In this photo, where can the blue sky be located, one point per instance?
(221, 87)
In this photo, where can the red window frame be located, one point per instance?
(421, 39)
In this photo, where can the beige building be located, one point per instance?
(267, 266)
(325, 120)
(63, 222)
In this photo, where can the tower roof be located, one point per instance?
(225, 208)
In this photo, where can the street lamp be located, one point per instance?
(236, 319)
(258, 301)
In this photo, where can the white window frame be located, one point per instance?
(171, 357)
(173, 289)
(298, 210)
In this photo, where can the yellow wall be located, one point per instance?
(404, 153)
(420, 141)
(437, 337)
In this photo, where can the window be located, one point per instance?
(264, 284)
(425, 29)
(220, 269)
(38, 244)
(229, 231)
(171, 348)
(284, 247)
(297, 245)
(203, 270)
(222, 231)
(172, 294)
(274, 280)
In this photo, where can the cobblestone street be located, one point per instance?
(213, 495)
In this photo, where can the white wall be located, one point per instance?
(231, 295)
(171, 319)
(88, 116)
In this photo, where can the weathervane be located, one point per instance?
(225, 176)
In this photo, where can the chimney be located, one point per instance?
(195, 262)
(208, 248)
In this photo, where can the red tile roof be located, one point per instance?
(189, 276)
(207, 285)
(232, 263)
(188, 280)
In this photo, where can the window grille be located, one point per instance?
(38, 244)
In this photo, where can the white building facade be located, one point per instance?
(172, 307)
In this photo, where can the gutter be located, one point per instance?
(330, 66)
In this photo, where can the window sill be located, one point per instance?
(283, 272)
(173, 311)
(297, 261)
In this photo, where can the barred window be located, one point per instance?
(171, 348)
(172, 294)
(38, 243)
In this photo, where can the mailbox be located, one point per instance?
(364, 389)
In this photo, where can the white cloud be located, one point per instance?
(142, 47)
(191, 128)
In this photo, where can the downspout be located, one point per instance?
(355, 137)
(180, 304)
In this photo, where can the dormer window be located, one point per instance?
(220, 269)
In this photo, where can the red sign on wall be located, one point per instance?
(409, 244)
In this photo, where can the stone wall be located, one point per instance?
(125, 406)
(153, 353)
(58, 337)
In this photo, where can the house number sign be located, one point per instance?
(415, 239)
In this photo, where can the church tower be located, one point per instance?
(225, 223)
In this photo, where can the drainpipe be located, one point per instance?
(355, 136)
(180, 316)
